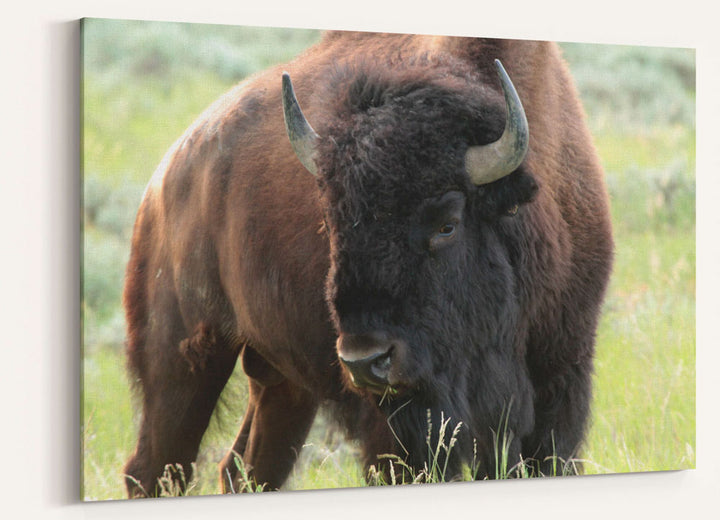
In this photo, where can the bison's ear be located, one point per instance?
(506, 195)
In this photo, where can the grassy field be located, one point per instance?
(145, 83)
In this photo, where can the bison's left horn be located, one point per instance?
(302, 136)
(490, 162)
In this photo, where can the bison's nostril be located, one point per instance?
(371, 371)
(381, 366)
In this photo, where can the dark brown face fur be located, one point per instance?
(416, 259)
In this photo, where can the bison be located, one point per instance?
(423, 249)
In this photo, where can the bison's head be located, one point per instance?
(420, 169)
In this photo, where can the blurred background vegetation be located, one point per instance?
(145, 82)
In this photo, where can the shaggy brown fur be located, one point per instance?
(497, 325)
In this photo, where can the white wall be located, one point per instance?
(39, 201)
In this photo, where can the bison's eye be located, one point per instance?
(447, 230)
(441, 220)
(443, 236)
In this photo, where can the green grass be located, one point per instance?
(108, 428)
(137, 102)
(644, 405)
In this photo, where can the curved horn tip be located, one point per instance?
(488, 163)
(302, 136)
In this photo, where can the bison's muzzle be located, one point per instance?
(370, 359)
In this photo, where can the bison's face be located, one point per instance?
(393, 292)
(418, 297)
(421, 286)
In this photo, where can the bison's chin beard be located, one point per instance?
(432, 440)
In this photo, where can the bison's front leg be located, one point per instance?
(562, 407)
(277, 421)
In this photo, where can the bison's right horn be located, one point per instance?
(302, 136)
(490, 162)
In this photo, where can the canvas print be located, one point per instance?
(322, 259)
